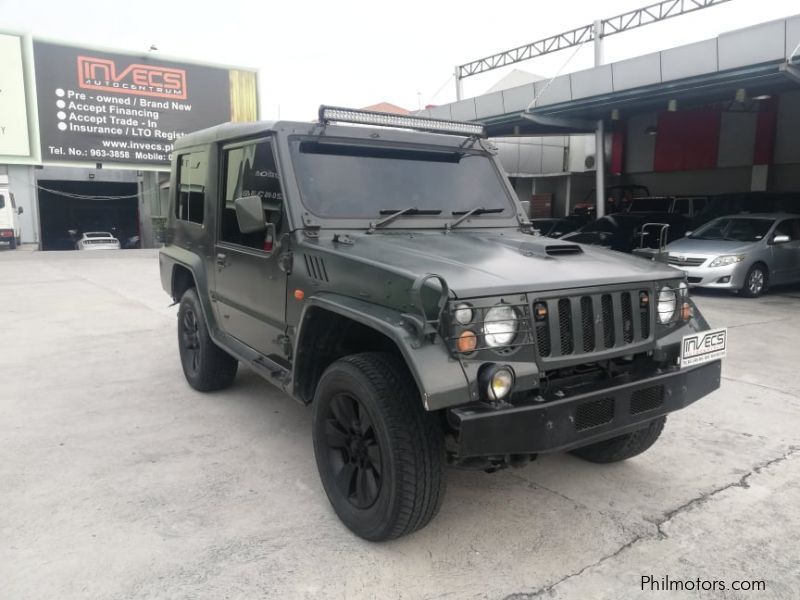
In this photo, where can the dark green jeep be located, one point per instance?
(386, 274)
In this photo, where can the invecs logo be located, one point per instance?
(143, 80)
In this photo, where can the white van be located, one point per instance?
(10, 227)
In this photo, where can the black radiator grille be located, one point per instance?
(589, 323)
(565, 326)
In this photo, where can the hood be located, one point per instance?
(497, 262)
(709, 247)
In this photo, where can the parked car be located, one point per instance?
(747, 202)
(741, 253)
(10, 227)
(399, 292)
(622, 231)
(97, 240)
(688, 206)
(555, 227)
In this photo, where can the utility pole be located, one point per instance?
(459, 89)
(599, 134)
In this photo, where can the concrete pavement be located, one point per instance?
(119, 481)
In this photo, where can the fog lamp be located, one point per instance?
(496, 381)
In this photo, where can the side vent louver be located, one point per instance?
(315, 268)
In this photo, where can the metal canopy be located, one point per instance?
(580, 35)
(702, 90)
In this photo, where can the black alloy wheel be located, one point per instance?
(353, 451)
(379, 453)
(207, 367)
(190, 341)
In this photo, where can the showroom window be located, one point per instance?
(192, 170)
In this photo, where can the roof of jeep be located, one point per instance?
(230, 131)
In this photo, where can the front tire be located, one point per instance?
(380, 455)
(206, 366)
(624, 446)
(755, 282)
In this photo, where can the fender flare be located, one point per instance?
(440, 378)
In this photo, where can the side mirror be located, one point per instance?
(781, 239)
(687, 234)
(250, 214)
(19, 210)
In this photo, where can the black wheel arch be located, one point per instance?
(325, 335)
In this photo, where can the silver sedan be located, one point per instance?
(743, 253)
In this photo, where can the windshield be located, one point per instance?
(358, 181)
(650, 205)
(734, 229)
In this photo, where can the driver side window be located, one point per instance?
(250, 170)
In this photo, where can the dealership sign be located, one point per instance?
(100, 107)
(14, 140)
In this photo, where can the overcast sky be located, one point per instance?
(359, 53)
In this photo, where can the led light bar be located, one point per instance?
(337, 114)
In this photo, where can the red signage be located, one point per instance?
(143, 80)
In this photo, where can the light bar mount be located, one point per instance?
(338, 114)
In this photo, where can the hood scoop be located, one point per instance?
(562, 249)
(549, 250)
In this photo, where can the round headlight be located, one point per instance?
(667, 303)
(500, 325)
(463, 314)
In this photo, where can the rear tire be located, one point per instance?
(755, 282)
(624, 446)
(380, 455)
(206, 366)
(12, 244)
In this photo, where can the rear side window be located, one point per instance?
(192, 171)
(2, 201)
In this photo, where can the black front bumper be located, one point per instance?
(581, 419)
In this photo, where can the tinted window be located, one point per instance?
(790, 227)
(651, 204)
(250, 171)
(359, 181)
(736, 229)
(2, 201)
(192, 171)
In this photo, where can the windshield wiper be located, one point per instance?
(466, 214)
(394, 213)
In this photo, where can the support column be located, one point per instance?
(148, 190)
(459, 89)
(600, 168)
(599, 145)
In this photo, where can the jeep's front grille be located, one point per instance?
(565, 326)
(587, 324)
(584, 324)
